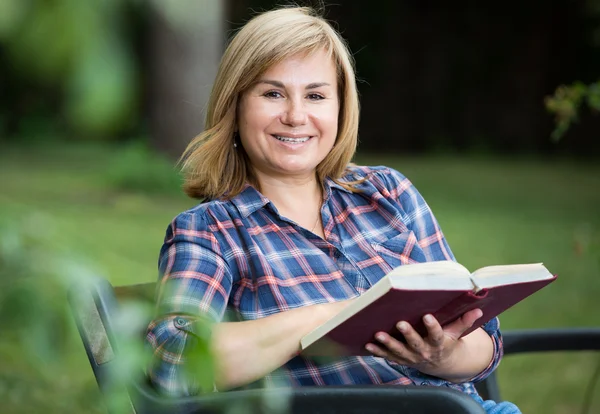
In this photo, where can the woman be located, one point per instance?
(290, 231)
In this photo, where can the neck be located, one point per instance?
(299, 198)
(290, 194)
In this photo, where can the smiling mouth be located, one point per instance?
(291, 140)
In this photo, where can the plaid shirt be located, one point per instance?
(243, 256)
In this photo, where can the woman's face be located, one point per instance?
(288, 119)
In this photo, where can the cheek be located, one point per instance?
(257, 117)
(330, 122)
(332, 114)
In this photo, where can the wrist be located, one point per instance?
(326, 311)
(449, 367)
(468, 358)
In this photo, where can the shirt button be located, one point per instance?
(180, 322)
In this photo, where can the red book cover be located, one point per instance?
(351, 336)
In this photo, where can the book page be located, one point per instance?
(437, 275)
(435, 268)
(491, 276)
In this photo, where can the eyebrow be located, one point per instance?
(278, 84)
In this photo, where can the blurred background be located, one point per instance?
(490, 108)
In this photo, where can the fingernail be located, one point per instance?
(369, 347)
(402, 326)
(380, 338)
(428, 319)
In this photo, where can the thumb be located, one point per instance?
(455, 329)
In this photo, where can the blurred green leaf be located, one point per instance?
(12, 14)
(101, 89)
(80, 49)
(32, 300)
(566, 104)
(199, 366)
(45, 44)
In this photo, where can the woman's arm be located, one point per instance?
(249, 350)
(194, 290)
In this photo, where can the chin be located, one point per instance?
(298, 170)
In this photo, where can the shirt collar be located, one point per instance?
(251, 200)
(329, 184)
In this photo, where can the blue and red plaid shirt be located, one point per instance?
(241, 255)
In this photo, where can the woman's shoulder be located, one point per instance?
(201, 215)
(380, 177)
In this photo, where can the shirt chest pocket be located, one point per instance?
(400, 250)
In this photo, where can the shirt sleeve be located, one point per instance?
(193, 291)
(421, 221)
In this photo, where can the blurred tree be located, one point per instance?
(78, 52)
(186, 39)
(567, 100)
(436, 77)
(84, 69)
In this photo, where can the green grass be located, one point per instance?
(493, 211)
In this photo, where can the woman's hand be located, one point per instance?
(436, 354)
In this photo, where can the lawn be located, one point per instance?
(492, 211)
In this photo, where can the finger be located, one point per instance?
(413, 339)
(377, 351)
(456, 328)
(435, 332)
(394, 347)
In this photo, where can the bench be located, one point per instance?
(97, 309)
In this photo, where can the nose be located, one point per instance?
(294, 113)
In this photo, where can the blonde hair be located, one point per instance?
(212, 166)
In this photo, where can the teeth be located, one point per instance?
(292, 140)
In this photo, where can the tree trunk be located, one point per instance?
(186, 44)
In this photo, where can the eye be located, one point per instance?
(272, 94)
(315, 97)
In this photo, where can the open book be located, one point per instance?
(445, 289)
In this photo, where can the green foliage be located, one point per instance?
(37, 329)
(31, 281)
(133, 356)
(35, 276)
(78, 47)
(35, 279)
(566, 103)
(136, 167)
(199, 366)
